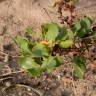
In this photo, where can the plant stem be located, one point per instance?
(33, 89)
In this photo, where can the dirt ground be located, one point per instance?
(15, 16)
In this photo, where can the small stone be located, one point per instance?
(28, 89)
(8, 84)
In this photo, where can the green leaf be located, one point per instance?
(70, 34)
(79, 66)
(76, 27)
(23, 44)
(35, 71)
(27, 63)
(59, 60)
(40, 50)
(82, 32)
(30, 66)
(66, 43)
(86, 22)
(62, 34)
(49, 64)
(81, 27)
(50, 31)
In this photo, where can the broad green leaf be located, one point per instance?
(23, 44)
(50, 31)
(66, 43)
(70, 34)
(59, 60)
(27, 63)
(62, 34)
(65, 34)
(86, 22)
(30, 66)
(79, 66)
(81, 27)
(40, 50)
(49, 64)
(76, 27)
(82, 32)
(35, 71)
